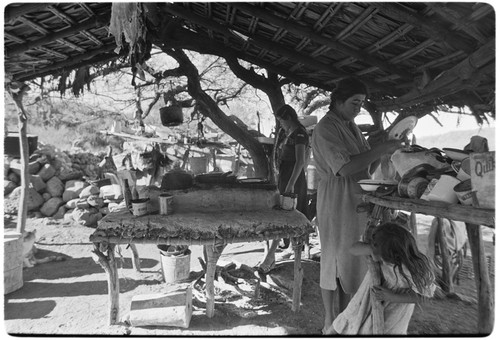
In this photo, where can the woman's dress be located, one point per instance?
(340, 224)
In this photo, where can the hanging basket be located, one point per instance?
(171, 115)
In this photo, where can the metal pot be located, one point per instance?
(412, 187)
(171, 115)
(177, 180)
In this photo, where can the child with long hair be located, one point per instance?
(407, 279)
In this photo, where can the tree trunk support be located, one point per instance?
(108, 263)
(213, 253)
(22, 213)
(485, 302)
(136, 261)
(298, 273)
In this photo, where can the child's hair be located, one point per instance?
(398, 246)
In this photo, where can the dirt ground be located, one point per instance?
(70, 297)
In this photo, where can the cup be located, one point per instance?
(166, 204)
(140, 206)
(288, 201)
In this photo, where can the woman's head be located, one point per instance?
(348, 97)
(287, 116)
(286, 112)
(396, 245)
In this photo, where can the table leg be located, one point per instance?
(108, 263)
(378, 321)
(485, 302)
(298, 274)
(213, 253)
(136, 262)
(445, 258)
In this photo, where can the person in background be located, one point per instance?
(343, 157)
(292, 158)
(408, 279)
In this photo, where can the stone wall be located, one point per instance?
(62, 186)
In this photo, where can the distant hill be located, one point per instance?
(457, 139)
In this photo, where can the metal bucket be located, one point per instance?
(175, 268)
(13, 262)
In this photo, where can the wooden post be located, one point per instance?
(213, 253)
(447, 280)
(136, 261)
(485, 302)
(376, 275)
(108, 263)
(17, 96)
(413, 224)
(298, 274)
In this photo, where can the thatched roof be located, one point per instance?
(414, 56)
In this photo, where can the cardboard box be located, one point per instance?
(482, 167)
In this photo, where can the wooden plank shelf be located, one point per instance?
(455, 212)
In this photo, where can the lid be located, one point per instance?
(403, 127)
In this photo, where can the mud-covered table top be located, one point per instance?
(201, 227)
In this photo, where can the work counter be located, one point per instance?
(214, 230)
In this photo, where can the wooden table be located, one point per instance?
(473, 218)
(213, 230)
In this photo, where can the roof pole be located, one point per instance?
(17, 91)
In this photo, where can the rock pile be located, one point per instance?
(62, 186)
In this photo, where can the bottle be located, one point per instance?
(127, 195)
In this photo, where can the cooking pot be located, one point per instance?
(176, 180)
(412, 187)
(171, 115)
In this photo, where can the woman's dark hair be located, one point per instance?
(347, 88)
(287, 112)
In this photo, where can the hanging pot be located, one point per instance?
(171, 115)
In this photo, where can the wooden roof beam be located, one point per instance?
(81, 59)
(186, 39)
(87, 24)
(465, 23)
(430, 24)
(300, 30)
(440, 86)
(267, 45)
(13, 12)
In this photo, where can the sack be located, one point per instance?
(406, 160)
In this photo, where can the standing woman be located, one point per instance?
(343, 157)
(292, 156)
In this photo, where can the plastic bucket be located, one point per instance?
(175, 268)
(443, 190)
(13, 262)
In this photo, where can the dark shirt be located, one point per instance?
(299, 136)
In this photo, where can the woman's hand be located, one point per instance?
(382, 293)
(289, 188)
(392, 145)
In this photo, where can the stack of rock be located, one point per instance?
(60, 186)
